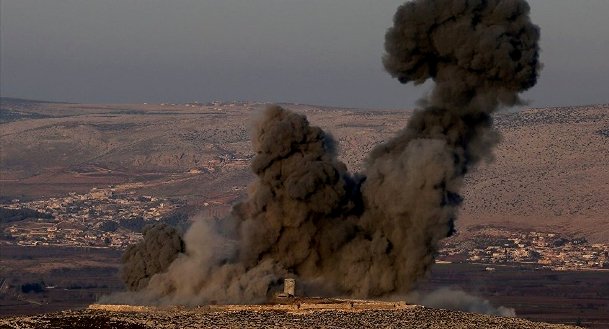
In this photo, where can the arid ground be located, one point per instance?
(333, 316)
(551, 169)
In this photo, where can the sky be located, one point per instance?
(324, 52)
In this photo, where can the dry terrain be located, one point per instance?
(272, 317)
(551, 169)
(551, 172)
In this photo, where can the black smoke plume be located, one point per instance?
(154, 254)
(375, 233)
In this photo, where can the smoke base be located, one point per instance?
(458, 300)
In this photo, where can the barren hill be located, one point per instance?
(551, 170)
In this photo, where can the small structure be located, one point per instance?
(289, 288)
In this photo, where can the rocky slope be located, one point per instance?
(410, 317)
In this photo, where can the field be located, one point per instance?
(572, 297)
(67, 278)
(79, 277)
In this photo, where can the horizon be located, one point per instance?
(324, 54)
(234, 101)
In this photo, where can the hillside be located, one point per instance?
(551, 170)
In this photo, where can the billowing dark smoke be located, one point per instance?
(293, 223)
(480, 54)
(154, 254)
(377, 233)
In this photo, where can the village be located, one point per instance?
(101, 218)
(542, 249)
(108, 218)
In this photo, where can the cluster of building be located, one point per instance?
(100, 218)
(107, 218)
(546, 250)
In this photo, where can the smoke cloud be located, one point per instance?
(374, 233)
(154, 254)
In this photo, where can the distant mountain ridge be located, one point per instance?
(5, 100)
(551, 169)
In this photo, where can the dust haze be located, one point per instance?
(458, 300)
(367, 234)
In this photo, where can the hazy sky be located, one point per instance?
(324, 52)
